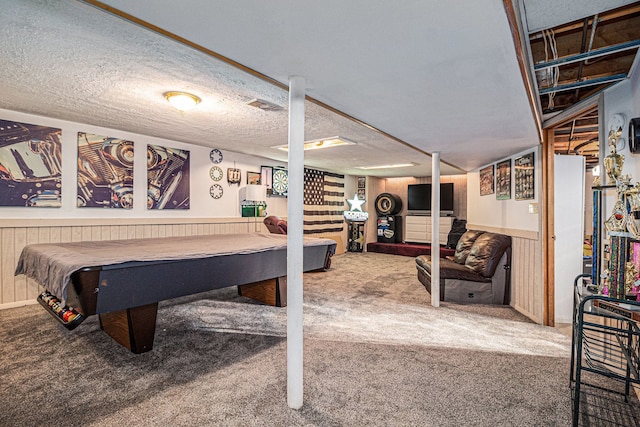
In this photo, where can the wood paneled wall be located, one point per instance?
(399, 186)
(526, 278)
(14, 235)
(527, 282)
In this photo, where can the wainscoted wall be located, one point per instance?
(526, 277)
(16, 291)
(526, 271)
(14, 235)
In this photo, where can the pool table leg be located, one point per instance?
(271, 292)
(133, 328)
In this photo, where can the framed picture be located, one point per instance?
(168, 183)
(103, 182)
(487, 180)
(503, 180)
(30, 165)
(254, 178)
(524, 176)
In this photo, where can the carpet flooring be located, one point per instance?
(376, 354)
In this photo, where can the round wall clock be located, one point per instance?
(216, 173)
(215, 155)
(634, 135)
(280, 181)
(215, 191)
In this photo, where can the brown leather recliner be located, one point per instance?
(275, 224)
(478, 272)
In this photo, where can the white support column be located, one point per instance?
(295, 243)
(435, 229)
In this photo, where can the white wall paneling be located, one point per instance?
(526, 277)
(512, 217)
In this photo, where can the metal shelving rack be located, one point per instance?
(605, 360)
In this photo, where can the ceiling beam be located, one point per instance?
(584, 83)
(594, 53)
(602, 18)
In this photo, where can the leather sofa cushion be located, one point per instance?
(486, 252)
(464, 245)
(450, 269)
(424, 261)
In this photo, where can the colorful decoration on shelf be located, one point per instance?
(630, 274)
(628, 196)
(614, 162)
(604, 282)
(620, 280)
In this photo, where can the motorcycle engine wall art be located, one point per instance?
(105, 172)
(167, 178)
(30, 165)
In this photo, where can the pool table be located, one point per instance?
(122, 281)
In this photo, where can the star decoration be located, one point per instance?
(355, 204)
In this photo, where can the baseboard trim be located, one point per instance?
(17, 304)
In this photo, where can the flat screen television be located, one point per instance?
(419, 199)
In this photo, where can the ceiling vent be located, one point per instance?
(264, 105)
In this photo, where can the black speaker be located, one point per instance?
(390, 229)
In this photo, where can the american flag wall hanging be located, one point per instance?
(323, 202)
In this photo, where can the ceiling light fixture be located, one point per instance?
(316, 144)
(182, 101)
(397, 165)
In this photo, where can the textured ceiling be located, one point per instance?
(435, 75)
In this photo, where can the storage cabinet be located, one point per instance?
(605, 360)
(418, 228)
